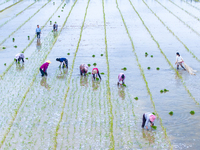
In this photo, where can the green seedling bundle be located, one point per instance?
(171, 113)
(192, 112)
(15, 46)
(68, 53)
(148, 68)
(136, 98)
(124, 68)
(89, 65)
(93, 55)
(94, 64)
(101, 54)
(157, 68)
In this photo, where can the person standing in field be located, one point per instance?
(43, 68)
(38, 31)
(121, 77)
(148, 117)
(83, 69)
(19, 57)
(179, 61)
(95, 72)
(55, 26)
(63, 62)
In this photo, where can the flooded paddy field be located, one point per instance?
(67, 111)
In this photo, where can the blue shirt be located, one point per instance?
(62, 59)
(38, 30)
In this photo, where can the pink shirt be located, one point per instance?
(95, 69)
(120, 77)
(44, 66)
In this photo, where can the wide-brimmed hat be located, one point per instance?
(48, 61)
(152, 118)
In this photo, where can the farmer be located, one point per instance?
(63, 62)
(55, 26)
(38, 31)
(95, 72)
(83, 69)
(19, 56)
(121, 77)
(44, 67)
(148, 117)
(179, 61)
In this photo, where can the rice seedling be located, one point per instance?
(157, 68)
(15, 46)
(165, 90)
(153, 113)
(161, 91)
(26, 58)
(124, 85)
(68, 53)
(148, 68)
(97, 79)
(28, 37)
(13, 39)
(4, 47)
(63, 7)
(61, 10)
(89, 73)
(192, 112)
(58, 16)
(89, 65)
(53, 3)
(124, 68)
(4, 64)
(102, 73)
(136, 98)
(154, 127)
(151, 56)
(101, 54)
(50, 22)
(171, 113)
(146, 54)
(93, 55)
(94, 64)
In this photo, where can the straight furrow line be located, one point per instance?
(178, 18)
(191, 5)
(10, 6)
(166, 56)
(17, 14)
(5, 2)
(143, 75)
(34, 77)
(24, 23)
(172, 33)
(111, 117)
(30, 42)
(185, 11)
(65, 97)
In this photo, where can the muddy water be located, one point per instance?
(84, 105)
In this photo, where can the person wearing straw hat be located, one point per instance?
(95, 72)
(43, 68)
(83, 69)
(121, 77)
(63, 62)
(148, 117)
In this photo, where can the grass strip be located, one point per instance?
(143, 75)
(10, 6)
(111, 116)
(66, 94)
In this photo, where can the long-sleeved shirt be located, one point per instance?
(38, 30)
(55, 26)
(44, 66)
(84, 68)
(179, 59)
(19, 55)
(147, 117)
(62, 59)
(120, 77)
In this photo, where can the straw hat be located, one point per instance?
(48, 61)
(94, 71)
(152, 118)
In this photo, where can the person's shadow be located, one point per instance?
(38, 45)
(84, 81)
(62, 74)
(121, 92)
(43, 82)
(149, 136)
(19, 66)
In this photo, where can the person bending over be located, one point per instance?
(83, 69)
(179, 61)
(95, 72)
(63, 62)
(121, 77)
(19, 57)
(43, 68)
(148, 117)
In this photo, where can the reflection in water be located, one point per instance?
(63, 73)
(55, 34)
(121, 92)
(95, 85)
(149, 136)
(67, 1)
(43, 82)
(19, 67)
(84, 81)
(38, 45)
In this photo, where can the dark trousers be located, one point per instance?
(66, 62)
(38, 34)
(20, 59)
(143, 120)
(42, 72)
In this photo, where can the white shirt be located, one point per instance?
(19, 55)
(179, 59)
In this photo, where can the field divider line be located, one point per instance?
(185, 11)
(178, 18)
(10, 6)
(5, 2)
(143, 75)
(178, 74)
(24, 23)
(17, 14)
(111, 116)
(173, 33)
(30, 42)
(66, 94)
(32, 82)
(191, 5)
